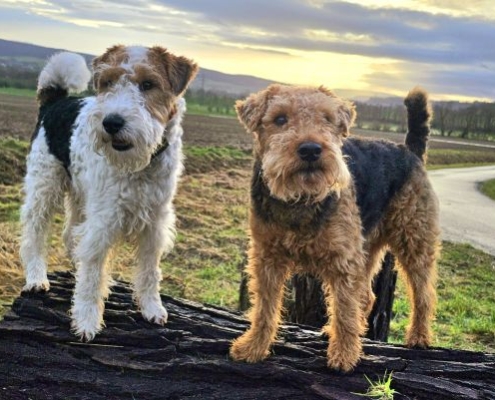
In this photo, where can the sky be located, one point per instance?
(445, 46)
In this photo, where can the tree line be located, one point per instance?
(17, 76)
(452, 119)
(217, 103)
(466, 120)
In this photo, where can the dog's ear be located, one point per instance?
(346, 111)
(347, 116)
(251, 110)
(326, 91)
(179, 71)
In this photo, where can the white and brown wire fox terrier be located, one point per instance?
(115, 158)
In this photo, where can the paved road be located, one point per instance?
(466, 215)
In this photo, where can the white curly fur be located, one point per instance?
(67, 70)
(108, 197)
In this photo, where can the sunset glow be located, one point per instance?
(378, 46)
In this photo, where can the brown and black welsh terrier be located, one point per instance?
(330, 205)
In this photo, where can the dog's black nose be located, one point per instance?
(113, 123)
(309, 151)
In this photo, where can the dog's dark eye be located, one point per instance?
(146, 85)
(328, 118)
(281, 120)
(106, 83)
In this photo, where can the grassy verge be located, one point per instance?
(452, 158)
(488, 188)
(466, 305)
(203, 109)
(202, 159)
(18, 92)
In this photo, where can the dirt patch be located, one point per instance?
(18, 115)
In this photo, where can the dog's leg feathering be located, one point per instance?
(347, 322)
(44, 187)
(156, 239)
(267, 279)
(92, 279)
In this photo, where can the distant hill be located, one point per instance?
(238, 85)
(33, 57)
(10, 49)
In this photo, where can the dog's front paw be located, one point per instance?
(87, 320)
(418, 339)
(37, 286)
(154, 312)
(247, 348)
(342, 360)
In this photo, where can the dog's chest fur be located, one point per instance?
(297, 216)
(132, 199)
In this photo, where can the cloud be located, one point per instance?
(444, 51)
(439, 40)
(439, 80)
(483, 8)
(347, 28)
(284, 25)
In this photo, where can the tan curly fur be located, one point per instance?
(326, 237)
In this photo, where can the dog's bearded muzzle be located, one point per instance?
(310, 176)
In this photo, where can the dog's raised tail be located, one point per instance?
(65, 72)
(419, 114)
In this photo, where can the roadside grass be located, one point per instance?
(488, 188)
(466, 305)
(210, 251)
(212, 158)
(453, 158)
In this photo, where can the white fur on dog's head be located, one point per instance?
(142, 86)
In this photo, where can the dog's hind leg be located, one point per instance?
(156, 239)
(44, 188)
(419, 268)
(73, 217)
(415, 243)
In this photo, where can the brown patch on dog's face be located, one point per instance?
(286, 122)
(107, 78)
(160, 77)
(114, 56)
(155, 90)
